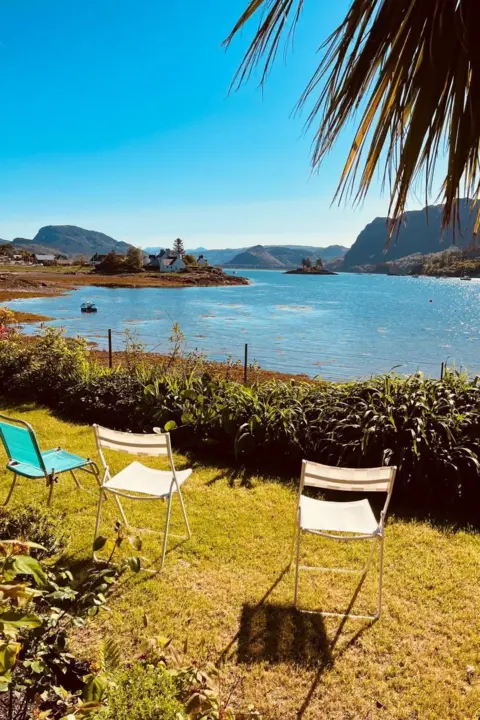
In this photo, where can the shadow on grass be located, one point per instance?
(446, 517)
(281, 633)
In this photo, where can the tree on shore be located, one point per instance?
(134, 259)
(113, 263)
(410, 69)
(318, 264)
(178, 247)
(306, 263)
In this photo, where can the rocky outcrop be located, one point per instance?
(420, 232)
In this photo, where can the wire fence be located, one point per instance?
(275, 358)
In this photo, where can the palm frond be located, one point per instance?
(412, 69)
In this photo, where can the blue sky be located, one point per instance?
(116, 117)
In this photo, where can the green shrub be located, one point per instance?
(142, 692)
(44, 369)
(39, 607)
(35, 524)
(429, 429)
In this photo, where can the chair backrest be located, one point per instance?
(153, 445)
(378, 479)
(20, 443)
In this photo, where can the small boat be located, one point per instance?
(465, 277)
(416, 276)
(88, 307)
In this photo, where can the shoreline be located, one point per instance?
(18, 285)
(224, 370)
(22, 288)
(49, 281)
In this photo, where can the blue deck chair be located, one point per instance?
(26, 459)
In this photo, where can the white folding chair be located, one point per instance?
(355, 520)
(145, 482)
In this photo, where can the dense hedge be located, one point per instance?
(428, 428)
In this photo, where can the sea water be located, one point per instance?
(339, 327)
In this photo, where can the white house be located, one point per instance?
(41, 259)
(167, 261)
(202, 260)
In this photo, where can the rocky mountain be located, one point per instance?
(256, 257)
(271, 257)
(71, 240)
(420, 232)
(25, 244)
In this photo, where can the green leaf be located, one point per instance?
(134, 564)
(170, 425)
(110, 655)
(8, 658)
(99, 543)
(14, 620)
(26, 565)
(95, 688)
(135, 542)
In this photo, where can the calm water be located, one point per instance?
(339, 327)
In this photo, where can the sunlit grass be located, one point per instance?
(227, 593)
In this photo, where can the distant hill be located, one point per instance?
(271, 257)
(71, 240)
(288, 255)
(25, 244)
(256, 257)
(419, 233)
(214, 257)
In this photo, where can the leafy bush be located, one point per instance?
(429, 428)
(38, 608)
(159, 686)
(111, 399)
(142, 692)
(7, 316)
(43, 369)
(35, 524)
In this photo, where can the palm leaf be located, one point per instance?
(412, 67)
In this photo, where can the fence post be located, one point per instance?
(442, 368)
(109, 348)
(245, 365)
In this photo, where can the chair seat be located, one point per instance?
(352, 517)
(57, 461)
(147, 481)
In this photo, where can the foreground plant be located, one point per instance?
(39, 606)
(159, 685)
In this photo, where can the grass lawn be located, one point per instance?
(226, 593)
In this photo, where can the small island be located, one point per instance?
(308, 268)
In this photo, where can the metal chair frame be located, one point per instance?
(90, 467)
(353, 480)
(159, 445)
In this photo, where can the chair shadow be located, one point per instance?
(279, 633)
(235, 477)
